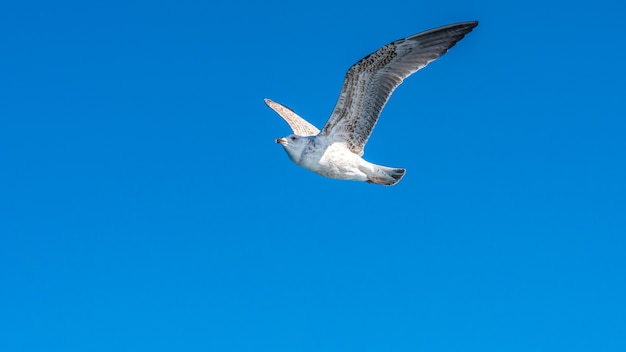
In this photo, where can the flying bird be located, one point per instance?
(336, 151)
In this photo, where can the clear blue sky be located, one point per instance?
(144, 205)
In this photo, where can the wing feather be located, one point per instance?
(300, 126)
(370, 82)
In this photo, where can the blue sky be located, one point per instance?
(144, 205)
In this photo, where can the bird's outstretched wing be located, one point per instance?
(300, 126)
(369, 83)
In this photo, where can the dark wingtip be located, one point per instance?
(469, 25)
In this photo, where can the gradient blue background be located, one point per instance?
(144, 205)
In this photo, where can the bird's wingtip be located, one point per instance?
(470, 24)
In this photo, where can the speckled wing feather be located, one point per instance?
(369, 83)
(300, 126)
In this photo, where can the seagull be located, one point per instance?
(336, 151)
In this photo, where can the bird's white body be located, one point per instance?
(332, 159)
(340, 163)
(336, 151)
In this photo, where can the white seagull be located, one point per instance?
(336, 151)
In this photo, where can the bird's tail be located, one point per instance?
(382, 175)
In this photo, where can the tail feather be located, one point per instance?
(387, 176)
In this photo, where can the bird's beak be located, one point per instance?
(281, 141)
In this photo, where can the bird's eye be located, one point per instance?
(293, 138)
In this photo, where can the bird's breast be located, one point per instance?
(330, 160)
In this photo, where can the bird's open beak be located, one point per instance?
(281, 141)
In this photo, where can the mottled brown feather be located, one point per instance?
(300, 126)
(369, 83)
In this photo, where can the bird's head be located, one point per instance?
(294, 145)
